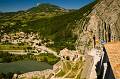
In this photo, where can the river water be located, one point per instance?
(24, 66)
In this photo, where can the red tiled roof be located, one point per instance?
(113, 51)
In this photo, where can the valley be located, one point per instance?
(51, 42)
(45, 34)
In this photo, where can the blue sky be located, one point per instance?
(16, 5)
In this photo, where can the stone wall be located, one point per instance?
(36, 74)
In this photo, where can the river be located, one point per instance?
(24, 66)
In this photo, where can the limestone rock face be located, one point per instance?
(109, 13)
(104, 24)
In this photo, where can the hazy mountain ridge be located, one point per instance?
(45, 7)
(40, 11)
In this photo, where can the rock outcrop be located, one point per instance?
(103, 25)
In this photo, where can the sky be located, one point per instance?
(17, 5)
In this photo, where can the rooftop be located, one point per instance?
(113, 51)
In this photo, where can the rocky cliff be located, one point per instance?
(103, 25)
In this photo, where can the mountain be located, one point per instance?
(61, 28)
(46, 7)
(41, 11)
(6, 15)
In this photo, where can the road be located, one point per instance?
(22, 52)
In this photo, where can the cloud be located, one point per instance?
(38, 4)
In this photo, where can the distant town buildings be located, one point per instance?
(31, 39)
